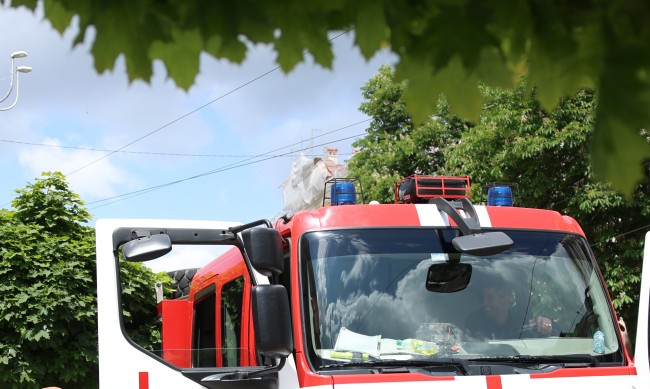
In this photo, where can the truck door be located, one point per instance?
(126, 363)
(642, 359)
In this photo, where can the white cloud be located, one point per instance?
(96, 182)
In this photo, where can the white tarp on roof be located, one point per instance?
(304, 187)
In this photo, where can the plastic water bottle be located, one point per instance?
(417, 346)
(426, 348)
(407, 344)
(599, 342)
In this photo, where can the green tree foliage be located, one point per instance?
(139, 305)
(48, 329)
(546, 153)
(395, 146)
(443, 47)
(516, 140)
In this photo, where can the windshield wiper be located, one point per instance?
(568, 360)
(460, 365)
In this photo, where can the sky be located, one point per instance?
(69, 118)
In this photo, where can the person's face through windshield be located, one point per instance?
(496, 304)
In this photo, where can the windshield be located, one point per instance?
(367, 297)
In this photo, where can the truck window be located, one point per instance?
(232, 295)
(204, 340)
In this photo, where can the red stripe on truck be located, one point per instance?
(493, 381)
(144, 380)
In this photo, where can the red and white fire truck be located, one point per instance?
(429, 292)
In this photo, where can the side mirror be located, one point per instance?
(483, 244)
(272, 320)
(448, 277)
(264, 250)
(147, 248)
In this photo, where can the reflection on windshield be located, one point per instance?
(366, 297)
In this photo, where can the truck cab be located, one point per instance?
(431, 291)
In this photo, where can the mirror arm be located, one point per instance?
(240, 228)
(469, 209)
(468, 225)
(198, 236)
(135, 234)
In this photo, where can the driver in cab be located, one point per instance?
(497, 319)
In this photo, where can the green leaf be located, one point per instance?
(320, 48)
(233, 50)
(371, 29)
(58, 15)
(180, 56)
(31, 4)
(129, 31)
(22, 298)
(618, 149)
(42, 334)
(289, 49)
(105, 52)
(424, 88)
(213, 46)
(494, 70)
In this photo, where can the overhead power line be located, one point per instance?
(621, 235)
(135, 152)
(170, 123)
(190, 112)
(268, 155)
(237, 164)
(125, 196)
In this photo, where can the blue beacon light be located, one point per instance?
(500, 196)
(343, 193)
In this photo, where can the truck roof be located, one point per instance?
(403, 215)
(394, 215)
